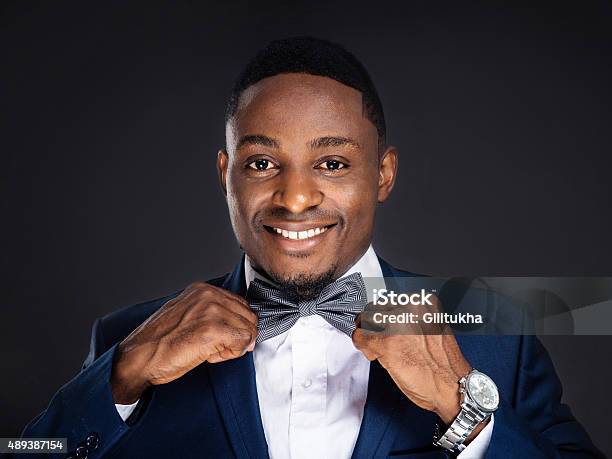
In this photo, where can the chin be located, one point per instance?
(301, 264)
(303, 284)
(300, 272)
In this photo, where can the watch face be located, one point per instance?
(483, 391)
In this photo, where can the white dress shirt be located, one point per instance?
(312, 385)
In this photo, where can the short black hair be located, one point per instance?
(313, 56)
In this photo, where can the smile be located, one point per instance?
(298, 235)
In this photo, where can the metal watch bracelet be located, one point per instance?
(461, 428)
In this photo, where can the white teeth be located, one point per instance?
(300, 234)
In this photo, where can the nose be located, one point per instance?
(297, 192)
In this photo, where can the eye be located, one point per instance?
(261, 165)
(332, 165)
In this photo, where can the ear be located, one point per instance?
(222, 162)
(387, 171)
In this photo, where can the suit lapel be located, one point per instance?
(235, 390)
(388, 411)
(380, 405)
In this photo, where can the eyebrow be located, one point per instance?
(320, 142)
(332, 141)
(258, 139)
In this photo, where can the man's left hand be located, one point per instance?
(425, 363)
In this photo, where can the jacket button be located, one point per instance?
(81, 452)
(92, 441)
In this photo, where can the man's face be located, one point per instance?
(303, 173)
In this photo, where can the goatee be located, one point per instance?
(303, 286)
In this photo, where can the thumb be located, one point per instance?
(363, 343)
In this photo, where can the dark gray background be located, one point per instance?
(112, 116)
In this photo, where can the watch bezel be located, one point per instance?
(471, 396)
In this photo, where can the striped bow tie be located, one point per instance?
(338, 303)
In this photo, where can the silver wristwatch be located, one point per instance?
(480, 398)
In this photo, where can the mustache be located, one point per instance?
(284, 214)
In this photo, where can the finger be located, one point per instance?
(239, 306)
(235, 302)
(190, 295)
(231, 295)
(225, 354)
(215, 358)
(232, 302)
(235, 339)
(196, 286)
(186, 293)
(366, 343)
(230, 343)
(229, 353)
(225, 330)
(361, 337)
(238, 321)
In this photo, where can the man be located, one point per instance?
(218, 371)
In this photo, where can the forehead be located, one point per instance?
(294, 106)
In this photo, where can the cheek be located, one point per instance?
(359, 200)
(237, 204)
(243, 199)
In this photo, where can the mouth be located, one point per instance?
(298, 232)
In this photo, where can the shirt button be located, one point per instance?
(307, 383)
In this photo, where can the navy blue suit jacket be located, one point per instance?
(212, 411)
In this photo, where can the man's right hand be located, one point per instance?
(203, 324)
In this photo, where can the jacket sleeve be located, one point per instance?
(83, 410)
(536, 424)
